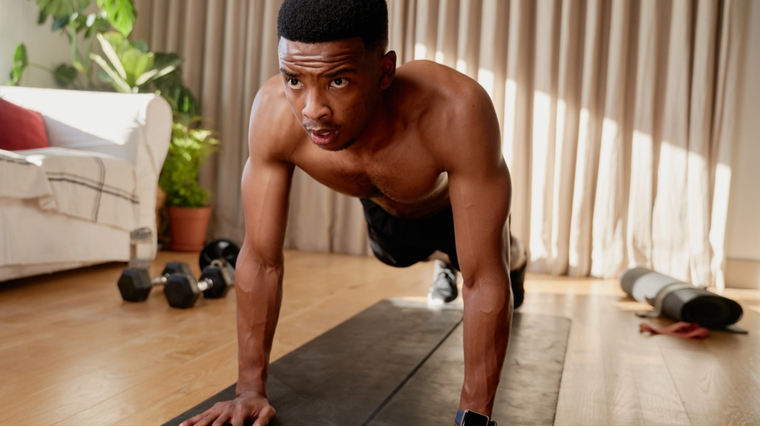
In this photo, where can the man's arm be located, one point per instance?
(259, 268)
(480, 191)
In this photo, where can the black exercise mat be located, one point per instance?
(342, 376)
(377, 368)
(528, 389)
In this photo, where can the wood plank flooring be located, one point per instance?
(73, 353)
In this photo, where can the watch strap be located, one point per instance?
(460, 417)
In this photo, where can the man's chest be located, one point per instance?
(404, 176)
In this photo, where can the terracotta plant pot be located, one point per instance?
(188, 227)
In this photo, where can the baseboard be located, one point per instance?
(743, 273)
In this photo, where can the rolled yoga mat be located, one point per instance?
(678, 300)
(401, 363)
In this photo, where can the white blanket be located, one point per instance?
(91, 186)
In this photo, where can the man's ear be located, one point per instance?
(387, 69)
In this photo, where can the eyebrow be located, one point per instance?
(341, 72)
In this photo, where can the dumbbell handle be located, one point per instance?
(205, 284)
(160, 280)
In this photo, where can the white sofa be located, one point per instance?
(75, 203)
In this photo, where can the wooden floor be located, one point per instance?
(72, 353)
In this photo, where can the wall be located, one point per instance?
(18, 24)
(743, 230)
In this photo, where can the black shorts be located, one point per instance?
(401, 242)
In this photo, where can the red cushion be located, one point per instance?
(20, 128)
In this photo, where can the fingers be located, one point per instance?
(238, 418)
(222, 419)
(217, 415)
(194, 420)
(235, 412)
(207, 419)
(265, 415)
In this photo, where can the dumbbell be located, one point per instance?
(183, 290)
(219, 249)
(135, 284)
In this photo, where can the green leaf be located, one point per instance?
(164, 64)
(146, 77)
(19, 56)
(140, 45)
(187, 151)
(120, 13)
(167, 63)
(20, 62)
(173, 89)
(119, 43)
(60, 8)
(65, 75)
(60, 22)
(42, 18)
(104, 76)
(80, 22)
(116, 81)
(135, 63)
(96, 24)
(78, 66)
(108, 43)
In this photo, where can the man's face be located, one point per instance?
(332, 88)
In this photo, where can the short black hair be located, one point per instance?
(315, 21)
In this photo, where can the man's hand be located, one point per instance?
(248, 406)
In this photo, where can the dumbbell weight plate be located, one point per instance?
(135, 284)
(222, 278)
(182, 290)
(219, 249)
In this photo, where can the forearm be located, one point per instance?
(487, 321)
(259, 296)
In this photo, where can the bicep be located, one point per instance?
(265, 194)
(480, 201)
(480, 189)
(266, 182)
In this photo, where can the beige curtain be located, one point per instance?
(616, 119)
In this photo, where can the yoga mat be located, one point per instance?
(679, 301)
(528, 389)
(366, 371)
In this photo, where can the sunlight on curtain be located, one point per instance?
(616, 119)
(606, 122)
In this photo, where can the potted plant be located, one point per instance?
(186, 201)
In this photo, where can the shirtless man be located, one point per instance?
(419, 145)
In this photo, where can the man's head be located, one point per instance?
(334, 66)
(315, 21)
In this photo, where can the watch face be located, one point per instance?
(474, 419)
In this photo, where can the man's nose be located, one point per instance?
(316, 107)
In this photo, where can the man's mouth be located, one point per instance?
(323, 136)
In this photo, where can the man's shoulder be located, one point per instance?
(448, 108)
(440, 82)
(441, 96)
(270, 103)
(274, 130)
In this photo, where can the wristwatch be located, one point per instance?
(472, 418)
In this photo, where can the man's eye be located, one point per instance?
(294, 83)
(339, 83)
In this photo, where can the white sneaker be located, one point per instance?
(444, 287)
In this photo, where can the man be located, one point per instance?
(420, 146)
